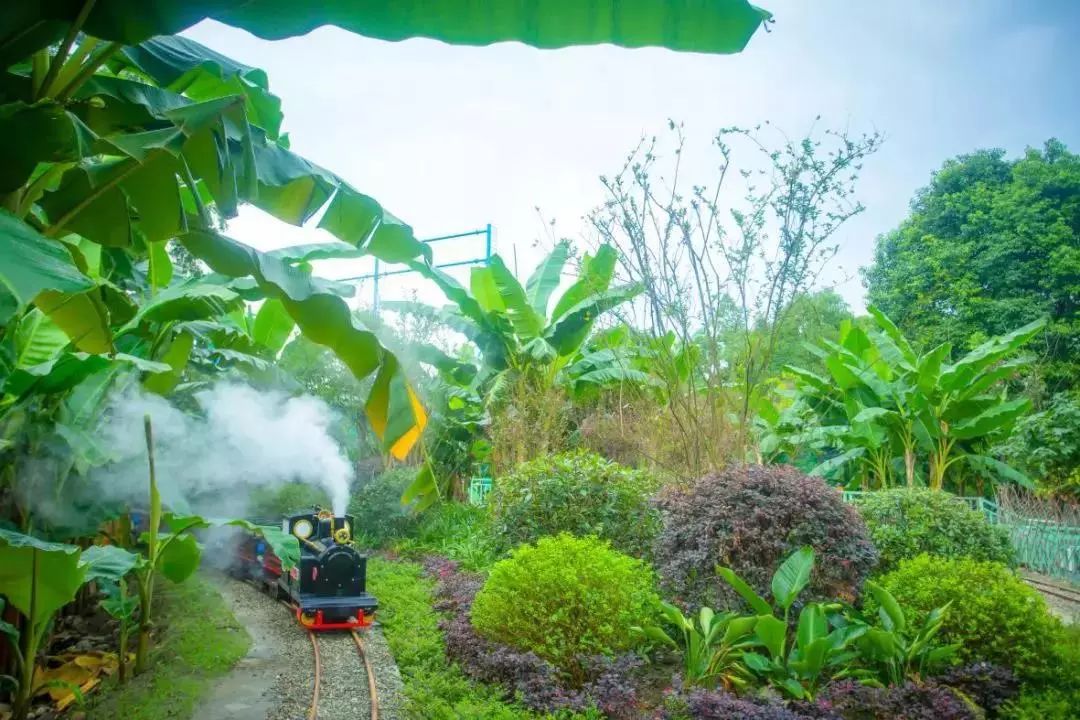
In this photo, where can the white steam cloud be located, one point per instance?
(244, 438)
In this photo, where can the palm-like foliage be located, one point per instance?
(881, 405)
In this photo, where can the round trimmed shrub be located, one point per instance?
(749, 519)
(579, 493)
(996, 615)
(906, 522)
(567, 599)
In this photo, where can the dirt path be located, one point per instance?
(274, 681)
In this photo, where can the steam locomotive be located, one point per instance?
(328, 586)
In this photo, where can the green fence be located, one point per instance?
(1046, 546)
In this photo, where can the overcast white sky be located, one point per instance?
(452, 138)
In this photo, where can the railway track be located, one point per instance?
(373, 695)
(358, 642)
(1070, 595)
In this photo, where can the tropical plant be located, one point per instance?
(750, 519)
(532, 349)
(576, 492)
(884, 405)
(711, 647)
(1046, 446)
(906, 522)
(895, 651)
(588, 595)
(795, 662)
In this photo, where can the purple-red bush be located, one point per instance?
(848, 700)
(719, 705)
(988, 686)
(750, 518)
(533, 681)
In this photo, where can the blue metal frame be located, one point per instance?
(485, 231)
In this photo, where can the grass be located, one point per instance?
(199, 641)
(435, 689)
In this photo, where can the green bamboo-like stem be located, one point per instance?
(61, 55)
(96, 60)
(146, 582)
(39, 65)
(31, 636)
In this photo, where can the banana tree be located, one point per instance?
(881, 405)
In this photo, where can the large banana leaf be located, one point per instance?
(546, 278)
(30, 264)
(568, 333)
(36, 574)
(324, 318)
(717, 26)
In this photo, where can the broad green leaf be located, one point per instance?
(82, 316)
(894, 334)
(676, 24)
(992, 467)
(273, 325)
(179, 556)
(160, 265)
(809, 378)
(526, 321)
(50, 573)
(362, 222)
(394, 410)
(568, 333)
(595, 277)
(812, 625)
(792, 576)
(929, 367)
(108, 563)
(38, 339)
(31, 263)
(193, 299)
(42, 133)
(830, 466)
(64, 371)
(999, 416)
(176, 357)
(483, 288)
(757, 662)
(317, 251)
(546, 277)
(423, 491)
(888, 603)
(755, 601)
(771, 632)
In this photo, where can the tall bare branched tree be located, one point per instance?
(720, 276)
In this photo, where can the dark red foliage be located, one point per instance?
(534, 682)
(719, 705)
(848, 700)
(750, 518)
(988, 686)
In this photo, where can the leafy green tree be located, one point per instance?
(991, 244)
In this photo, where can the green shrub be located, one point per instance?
(289, 498)
(997, 617)
(380, 516)
(579, 493)
(456, 531)
(907, 522)
(565, 598)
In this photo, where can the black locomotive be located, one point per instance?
(328, 587)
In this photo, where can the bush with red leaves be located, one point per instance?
(750, 518)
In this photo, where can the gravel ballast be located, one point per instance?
(274, 682)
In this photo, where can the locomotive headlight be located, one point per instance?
(341, 535)
(302, 529)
